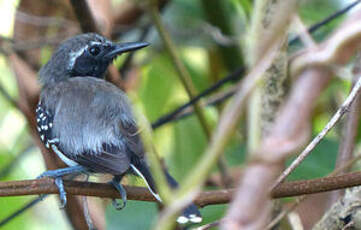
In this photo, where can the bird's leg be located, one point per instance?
(58, 174)
(62, 193)
(62, 172)
(116, 183)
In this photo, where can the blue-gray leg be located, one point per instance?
(58, 174)
(116, 183)
(62, 193)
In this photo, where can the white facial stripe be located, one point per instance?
(102, 39)
(74, 55)
(95, 43)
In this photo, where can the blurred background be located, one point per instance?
(209, 36)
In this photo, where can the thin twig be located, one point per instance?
(214, 100)
(335, 50)
(340, 112)
(164, 119)
(172, 115)
(298, 200)
(252, 192)
(349, 133)
(327, 20)
(179, 66)
(228, 121)
(188, 85)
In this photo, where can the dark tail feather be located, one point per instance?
(190, 213)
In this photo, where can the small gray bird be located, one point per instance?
(88, 122)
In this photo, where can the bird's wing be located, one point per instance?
(93, 127)
(104, 162)
(131, 133)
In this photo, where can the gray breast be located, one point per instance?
(88, 113)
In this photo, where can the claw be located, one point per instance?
(57, 175)
(117, 205)
(123, 194)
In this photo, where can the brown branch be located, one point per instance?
(288, 189)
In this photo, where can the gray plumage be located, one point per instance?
(91, 115)
(87, 121)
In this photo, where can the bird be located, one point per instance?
(88, 122)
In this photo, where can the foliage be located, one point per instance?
(181, 142)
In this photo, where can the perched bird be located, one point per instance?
(88, 122)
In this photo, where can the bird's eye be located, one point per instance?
(94, 50)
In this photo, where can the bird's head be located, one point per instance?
(84, 55)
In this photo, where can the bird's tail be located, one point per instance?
(190, 213)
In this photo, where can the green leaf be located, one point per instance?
(189, 143)
(136, 215)
(319, 163)
(157, 87)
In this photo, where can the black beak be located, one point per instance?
(124, 47)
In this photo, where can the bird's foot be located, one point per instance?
(57, 175)
(122, 192)
(62, 193)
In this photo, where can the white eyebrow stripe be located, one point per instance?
(95, 43)
(74, 55)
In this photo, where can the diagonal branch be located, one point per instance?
(84, 15)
